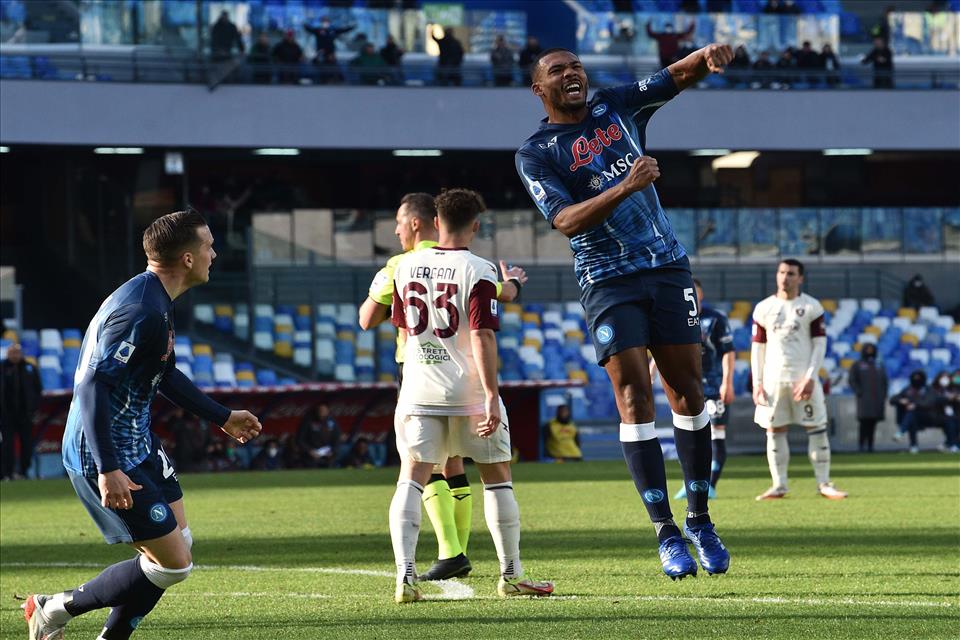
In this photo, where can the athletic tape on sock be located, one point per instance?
(691, 423)
(637, 432)
(187, 537)
(162, 577)
(718, 434)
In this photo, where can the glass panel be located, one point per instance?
(717, 232)
(271, 239)
(758, 232)
(483, 242)
(925, 33)
(923, 231)
(951, 229)
(882, 231)
(313, 233)
(385, 241)
(514, 233)
(684, 223)
(353, 235)
(840, 231)
(799, 232)
(552, 247)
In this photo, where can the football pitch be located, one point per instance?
(306, 554)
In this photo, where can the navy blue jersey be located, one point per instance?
(565, 164)
(129, 348)
(716, 341)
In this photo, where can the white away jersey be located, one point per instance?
(439, 296)
(788, 327)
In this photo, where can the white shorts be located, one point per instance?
(782, 410)
(436, 438)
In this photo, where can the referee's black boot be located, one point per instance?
(455, 567)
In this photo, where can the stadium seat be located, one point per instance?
(51, 341)
(203, 313)
(266, 377)
(345, 373)
(185, 368)
(920, 355)
(223, 374)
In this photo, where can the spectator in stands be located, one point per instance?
(881, 57)
(948, 400)
(560, 437)
(529, 55)
(773, 6)
(868, 379)
(259, 60)
(190, 438)
(358, 457)
(917, 294)
(325, 37)
(19, 397)
(220, 456)
(830, 65)
(668, 41)
(916, 409)
(391, 54)
(450, 61)
(738, 70)
(786, 66)
(501, 58)
(369, 66)
(763, 71)
(270, 457)
(288, 54)
(809, 60)
(319, 437)
(224, 36)
(622, 42)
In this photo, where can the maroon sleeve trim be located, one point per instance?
(484, 310)
(397, 315)
(818, 328)
(759, 333)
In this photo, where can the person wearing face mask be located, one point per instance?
(868, 379)
(916, 408)
(948, 396)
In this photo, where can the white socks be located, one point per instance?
(778, 457)
(405, 528)
(54, 611)
(503, 519)
(818, 446)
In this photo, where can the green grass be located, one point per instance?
(883, 564)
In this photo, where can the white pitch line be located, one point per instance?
(453, 590)
(449, 589)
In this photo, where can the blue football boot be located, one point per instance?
(714, 557)
(676, 559)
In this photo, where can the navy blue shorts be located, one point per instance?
(151, 516)
(644, 308)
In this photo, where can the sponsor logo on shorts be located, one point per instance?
(599, 110)
(653, 495)
(158, 512)
(493, 308)
(431, 353)
(604, 334)
(699, 486)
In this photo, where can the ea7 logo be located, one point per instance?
(550, 143)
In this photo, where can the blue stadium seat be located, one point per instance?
(266, 377)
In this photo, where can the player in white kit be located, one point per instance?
(789, 343)
(445, 298)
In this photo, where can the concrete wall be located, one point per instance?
(174, 115)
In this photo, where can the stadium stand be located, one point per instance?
(537, 342)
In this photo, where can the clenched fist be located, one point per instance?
(642, 174)
(717, 56)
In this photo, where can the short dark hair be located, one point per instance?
(793, 262)
(544, 54)
(458, 208)
(169, 236)
(421, 205)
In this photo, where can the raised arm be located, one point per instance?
(699, 64)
